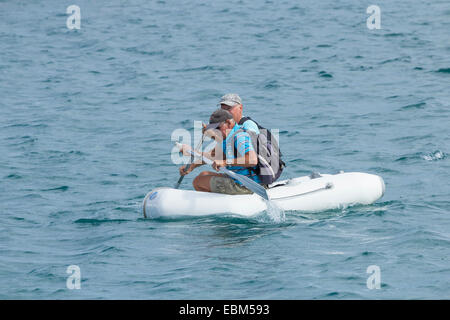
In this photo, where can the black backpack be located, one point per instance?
(270, 166)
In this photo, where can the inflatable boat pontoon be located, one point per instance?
(306, 194)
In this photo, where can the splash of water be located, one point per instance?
(275, 213)
(437, 155)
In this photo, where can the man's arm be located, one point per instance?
(250, 159)
(185, 149)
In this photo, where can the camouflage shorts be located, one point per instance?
(227, 185)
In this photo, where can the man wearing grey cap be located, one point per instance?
(232, 103)
(234, 151)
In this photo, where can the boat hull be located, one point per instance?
(305, 194)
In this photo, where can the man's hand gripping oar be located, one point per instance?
(184, 170)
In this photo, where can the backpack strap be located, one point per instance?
(243, 119)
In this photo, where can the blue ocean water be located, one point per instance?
(86, 118)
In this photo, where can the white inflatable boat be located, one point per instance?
(307, 194)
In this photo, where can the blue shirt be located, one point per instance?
(242, 144)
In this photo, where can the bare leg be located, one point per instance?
(202, 181)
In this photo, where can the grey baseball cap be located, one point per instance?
(217, 118)
(230, 99)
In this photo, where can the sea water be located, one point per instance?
(86, 117)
